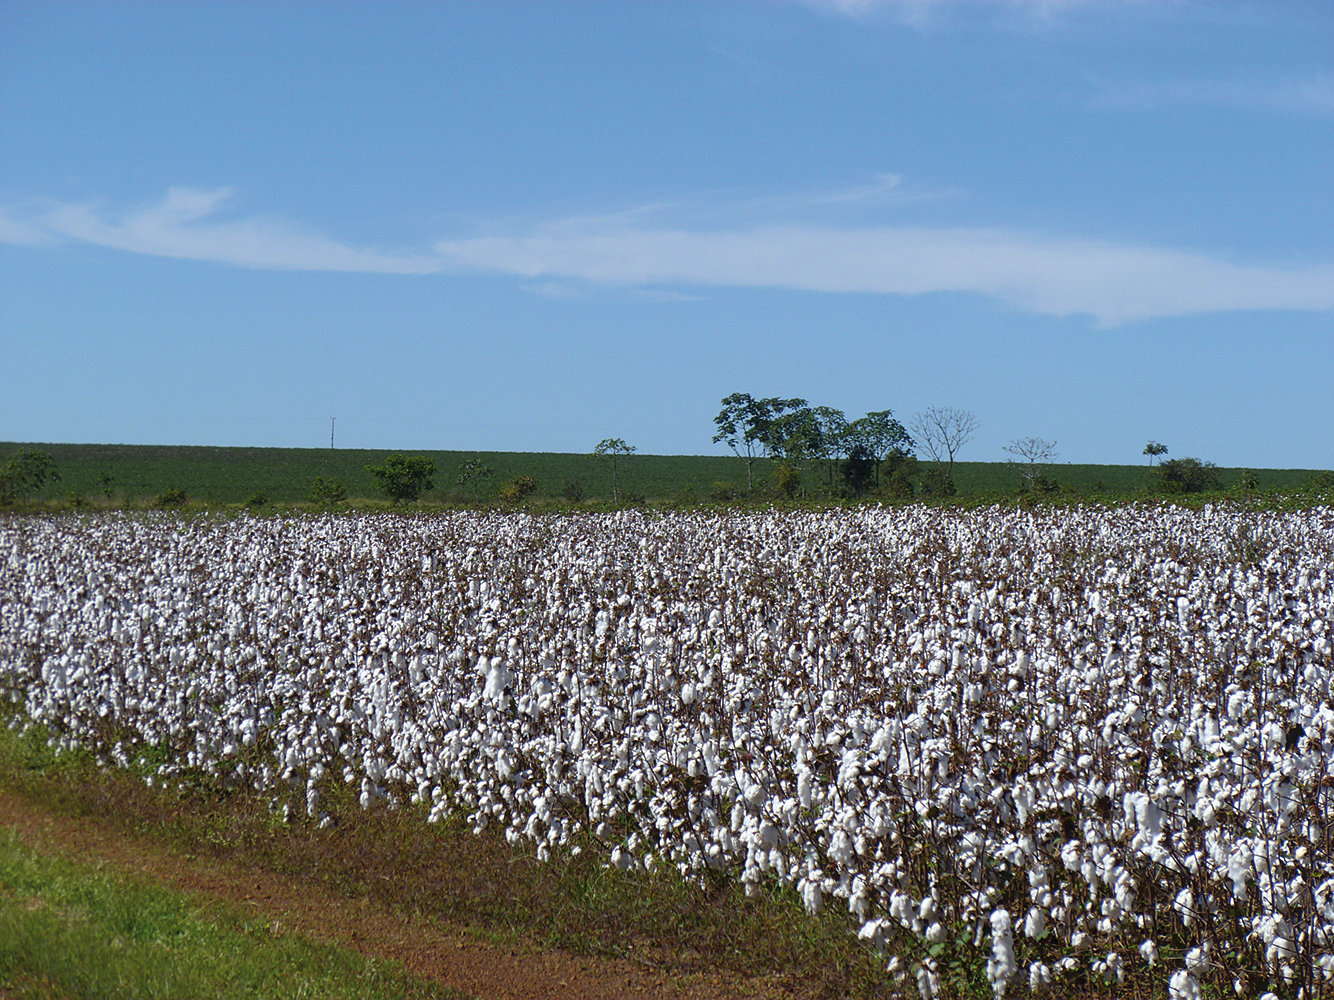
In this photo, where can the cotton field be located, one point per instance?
(1058, 744)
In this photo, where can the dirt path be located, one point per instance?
(444, 954)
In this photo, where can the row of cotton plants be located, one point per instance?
(1058, 745)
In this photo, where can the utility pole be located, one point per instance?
(331, 430)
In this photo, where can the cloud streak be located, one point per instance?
(1114, 283)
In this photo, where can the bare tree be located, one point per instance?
(1034, 451)
(942, 431)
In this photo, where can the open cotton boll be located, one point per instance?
(1001, 966)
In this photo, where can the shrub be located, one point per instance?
(938, 482)
(898, 486)
(403, 479)
(105, 483)
(173, 497)
(257, 500)
(858, 472)
(327, 492)
(1321, 481)
(1186, 475)
(472, 469)
(788, 479)
(573, 491)
(516, 489)
(1246, 482)
(721, 491)
(26, 472)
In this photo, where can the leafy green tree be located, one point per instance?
(26, 472)
(858, 471)
(403, 479)
(745, 425)
(831, 443)
(1187, 475)
(611, 450)
(880, 437)
(473, 469)
(1153, 449)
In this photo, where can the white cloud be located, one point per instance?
(1114, 283)
(185, 225)
(631, 252)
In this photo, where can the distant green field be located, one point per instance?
(284, 475)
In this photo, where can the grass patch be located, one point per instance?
(444, 872)
(133, 474)
(69, 931)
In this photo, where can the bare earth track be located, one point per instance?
(444, 954)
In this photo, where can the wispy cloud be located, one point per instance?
(1310, 94)
(1114, 283)
(645, 254)
(186, 225)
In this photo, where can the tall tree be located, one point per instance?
(745, 425)
(942, 431)
(611, 449)
(879, 436)
(832, 443)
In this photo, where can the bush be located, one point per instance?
(257, 500)
(898, 486)
(573, 491)
(938, 483)
(403, 479)
(1246, 482)
(173, 497)
(1321, 481)
(788, 480)
(858, 473)
(517, 489)
(1186, 475)
(722, 491)
(25, 473)
(327, 492)
(106, 484)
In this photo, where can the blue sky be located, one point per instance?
(532, 226)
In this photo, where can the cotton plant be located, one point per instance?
(1108, 730)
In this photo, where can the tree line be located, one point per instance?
(872, 452)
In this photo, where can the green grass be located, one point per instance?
(395, 860)
(71, 931)
(284, 475)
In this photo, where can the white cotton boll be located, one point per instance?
(1185, 905)
(1039, 977)
(1114, 967)
(928, 983)
(687, 693)
(1035, 924)
(928, 909)
(1001, 965)
(1184, 986)
(935, 933)
(811, 896)
(497, 679)
(1149, 952)
(804, 787)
